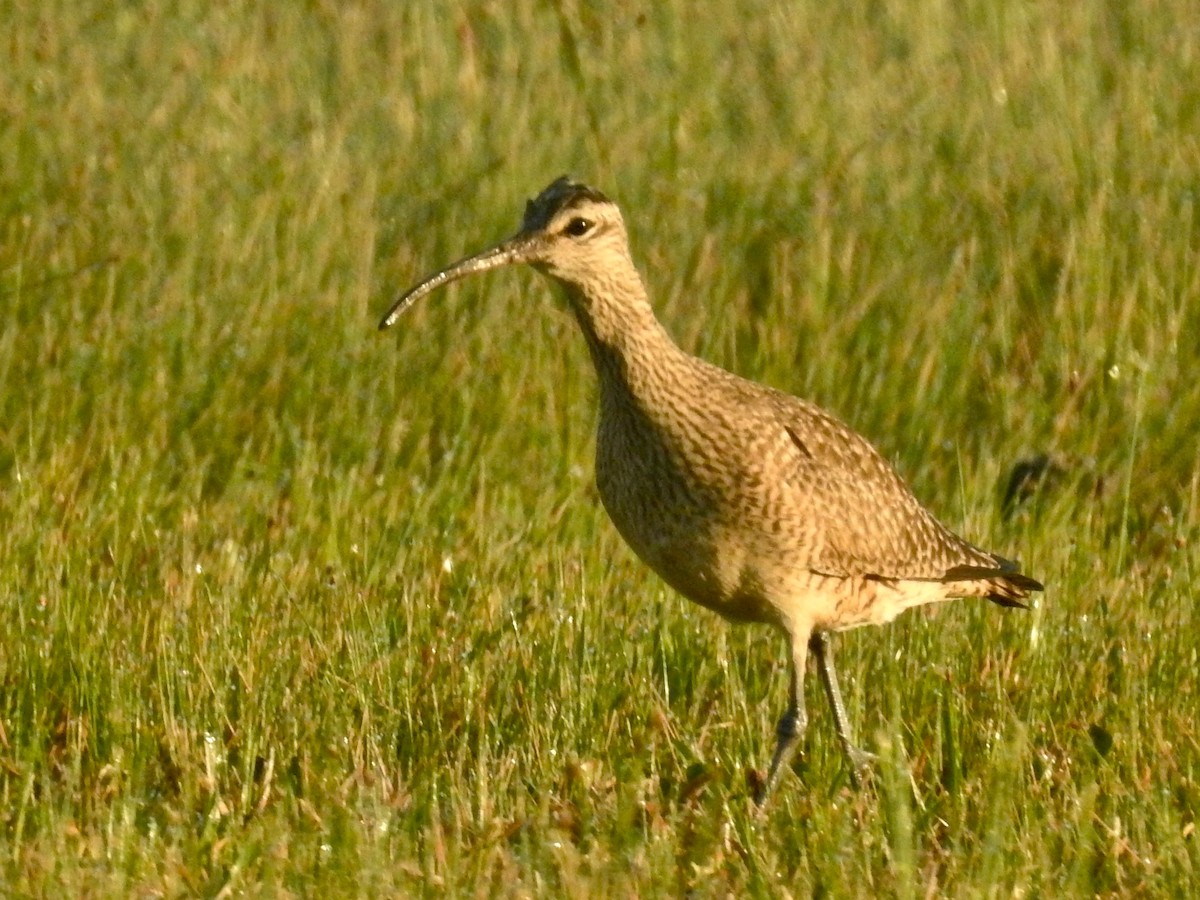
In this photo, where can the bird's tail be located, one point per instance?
(1004, 585)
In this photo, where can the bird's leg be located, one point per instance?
(791, 726)
(860, 760)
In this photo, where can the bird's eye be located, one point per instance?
(578, 227)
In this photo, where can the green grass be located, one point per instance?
(291, 607)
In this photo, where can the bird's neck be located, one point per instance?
(629, 347)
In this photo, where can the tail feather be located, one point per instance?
(1003, 585)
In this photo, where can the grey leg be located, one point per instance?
(860, 760)
(791, 727)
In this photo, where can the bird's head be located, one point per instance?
(570, 232)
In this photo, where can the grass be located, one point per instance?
(290, 607)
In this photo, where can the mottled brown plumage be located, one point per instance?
(755, 504)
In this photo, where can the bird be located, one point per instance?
(750, 502)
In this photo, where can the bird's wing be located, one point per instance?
(870, 522)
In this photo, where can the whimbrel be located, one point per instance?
(755, 504)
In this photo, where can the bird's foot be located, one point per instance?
(862, 765)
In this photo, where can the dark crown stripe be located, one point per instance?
(562, 193)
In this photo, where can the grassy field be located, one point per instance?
(289, 607)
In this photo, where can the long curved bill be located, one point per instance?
(513, 250)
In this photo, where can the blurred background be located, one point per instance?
(288, 605)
